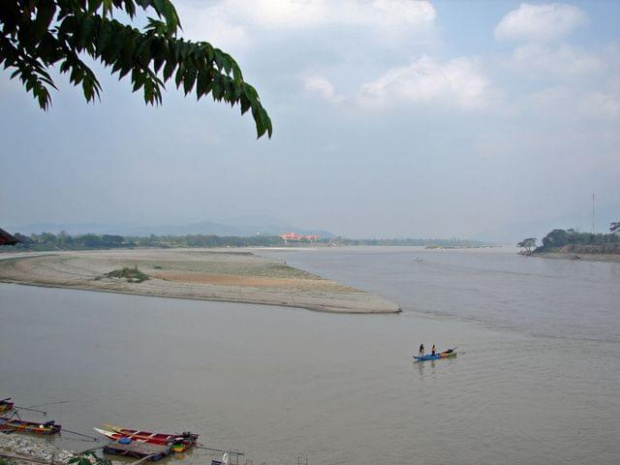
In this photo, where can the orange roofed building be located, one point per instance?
(291, 236)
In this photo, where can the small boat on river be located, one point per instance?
(178, 442)
(6, 405)
(22, 426)
(445, 354)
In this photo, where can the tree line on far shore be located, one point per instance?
(62, 241)
(584, 241)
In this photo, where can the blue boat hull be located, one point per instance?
(425, 358)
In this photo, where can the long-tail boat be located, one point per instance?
(445, 354)
(6, 405)
(22, 426)
(178, 442)
(186, 438)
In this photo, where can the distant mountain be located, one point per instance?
(218, 229)
(251, 220)
(240, 229)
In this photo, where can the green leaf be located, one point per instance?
(46, 10)
(227, 63)
(104, 41)
(124, 69)
(204, 83)
(143, 51)
(166, 9)
(169, 69)
(237, 75)
(148, 91)
(107, 7)
(245, 104)
(178, 79)
(93, 5)
(87, 31)
(218, 59)
(158, 62)
(188, 80)
(137, 77)
(216, 90)
(260, 128)
(210, 52)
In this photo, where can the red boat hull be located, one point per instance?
(179, 442)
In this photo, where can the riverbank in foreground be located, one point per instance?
(19, 450)
(202, 274)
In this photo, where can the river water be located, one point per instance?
(536, 380)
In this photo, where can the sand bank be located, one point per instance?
(578, 256)
(203, 274)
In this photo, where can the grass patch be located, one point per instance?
(132, 275)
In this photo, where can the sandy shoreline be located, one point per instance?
(202, 274)
(578, 256)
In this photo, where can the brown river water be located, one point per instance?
(536, 379)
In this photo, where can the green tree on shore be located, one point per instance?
(614, 227)
(528, 244)
(558, 238)
(555, 239)
(36, 35)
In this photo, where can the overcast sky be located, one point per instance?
(392, 118)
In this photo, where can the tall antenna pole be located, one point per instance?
(593, 197)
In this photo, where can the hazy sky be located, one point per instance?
(392, 118)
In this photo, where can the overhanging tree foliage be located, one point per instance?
(38, 34)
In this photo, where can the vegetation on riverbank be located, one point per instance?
(49, 242)
(131, 275)
(570, 241)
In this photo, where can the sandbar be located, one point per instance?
(228, 275)
(593, 257)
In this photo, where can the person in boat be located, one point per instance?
(433, 350)
(421, 352)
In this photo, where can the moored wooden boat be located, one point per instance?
(113, 435)
(22, 426)
(186, 438)
(178, 442)
(6, 405)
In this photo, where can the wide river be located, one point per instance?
(536, 380)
